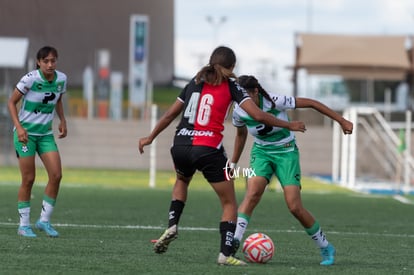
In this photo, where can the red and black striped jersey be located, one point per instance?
(205, 109)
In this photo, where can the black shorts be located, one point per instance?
(210, 161)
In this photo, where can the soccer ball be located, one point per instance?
(258, 248)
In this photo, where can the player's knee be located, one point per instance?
(255, 196)
(296, 209)
(55, 177)
(28, 181)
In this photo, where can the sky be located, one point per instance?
(261, 32)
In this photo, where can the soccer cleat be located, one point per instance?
(26, 231)
(47, 227)
(229, 260)
(328, 255)
(236, 245)
(161, 245)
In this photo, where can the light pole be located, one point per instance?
(309, 15)
(216, 23)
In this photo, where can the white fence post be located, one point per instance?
(407, 152)
(153, 148)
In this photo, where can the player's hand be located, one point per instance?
(63, 131)
(297, 126)
(22, 135)
(347, 126)
(143, 142)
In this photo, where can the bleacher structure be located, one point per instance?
(376, 158)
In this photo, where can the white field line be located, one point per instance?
(150, 227)
(402, 199)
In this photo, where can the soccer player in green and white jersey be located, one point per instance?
(274, 152)
(41, 93)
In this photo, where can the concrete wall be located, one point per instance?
(114, 145)
(77, 28)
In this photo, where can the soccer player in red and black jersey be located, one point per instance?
(204, 104)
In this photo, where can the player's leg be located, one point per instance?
(212, 164)
(289, 175)
(226, 193)
(52, 163)
(294, 203)
(261, 164)
(255, 188)
(312, 227)
(50, 157)
(184, 173)
(26, 157)
(179, 197)
(27, 170)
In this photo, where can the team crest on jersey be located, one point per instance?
(59, 88)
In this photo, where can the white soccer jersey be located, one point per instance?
(39, 100)
(263, 134)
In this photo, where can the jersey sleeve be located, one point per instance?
(190, 86)
(236, 118)
(64, 82)
(65, 87)
(238, 93)
(25, 83)
(283, 102)
(181, 96)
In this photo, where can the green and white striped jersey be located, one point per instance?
(274, 138)
(39, 100)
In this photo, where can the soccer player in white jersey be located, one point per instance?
(41, 94)
(274, 152)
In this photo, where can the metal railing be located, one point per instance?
(392, 161)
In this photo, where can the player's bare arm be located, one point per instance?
(346, 125)
(163, 123)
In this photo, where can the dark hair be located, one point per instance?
(44, 52)
(219, 68)
(249, 83)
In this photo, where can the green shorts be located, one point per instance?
(285, 165)
(39, 144)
